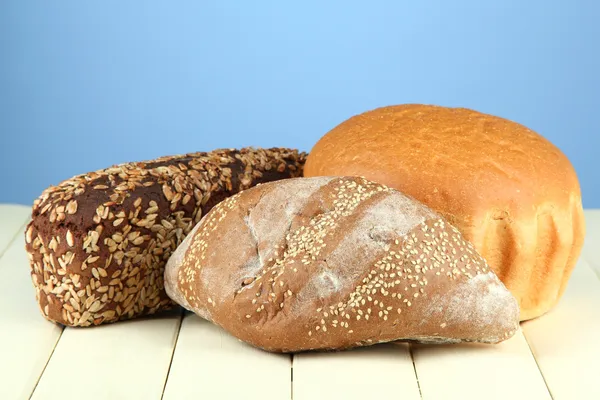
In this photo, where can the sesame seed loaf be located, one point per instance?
(333, 263)
(98, 242)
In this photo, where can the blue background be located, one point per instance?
(84, 86)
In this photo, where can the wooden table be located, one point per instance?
(180, 356)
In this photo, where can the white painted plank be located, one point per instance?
(127, 360)
(210, 364)
(479, 371)
(565, 341)
(12, 221)
(591, 247)
(26, 338)
(377, 372)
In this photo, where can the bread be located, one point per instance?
(334, 263)
(98, 242)
(509, 191)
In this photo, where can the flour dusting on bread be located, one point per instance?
(343, 262)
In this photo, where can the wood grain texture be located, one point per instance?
(565, 341)
(26, 338)
(210, 364)
(12, 223)
(377, 372)
(127, 360)
(475, 371)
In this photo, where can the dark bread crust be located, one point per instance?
(98, 242)
(333, 263)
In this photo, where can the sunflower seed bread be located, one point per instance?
(98, 242)
(333, 263)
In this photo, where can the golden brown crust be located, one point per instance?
(510, 191)
(98, 242)
(333, 263)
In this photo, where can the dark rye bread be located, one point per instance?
(333, 263)
(98, 242)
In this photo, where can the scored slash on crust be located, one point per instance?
(414, 270)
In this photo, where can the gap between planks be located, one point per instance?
(207, 358)
(479, 371)
(131, 359)
(594, 271)
(562, 341)
(37, 382)
(537, 363)
(589, 261)
(412, 357)
(181, 314)
(29, 337)
(378, 371)
(3, 250)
